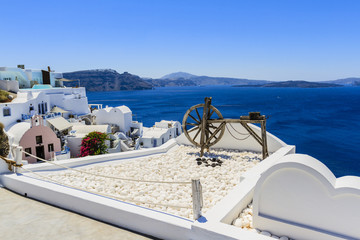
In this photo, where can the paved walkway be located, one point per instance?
(24, 218)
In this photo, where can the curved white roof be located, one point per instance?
(16, 132)
(124, 109)
(153, 132)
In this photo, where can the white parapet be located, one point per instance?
(301, 198)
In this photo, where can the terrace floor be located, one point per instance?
(219, 172)
(24, 218)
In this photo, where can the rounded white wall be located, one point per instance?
(301, 198)
(248, 143)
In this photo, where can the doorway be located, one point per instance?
(40, 153)
(45, 77)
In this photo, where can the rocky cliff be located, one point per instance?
(106, 80)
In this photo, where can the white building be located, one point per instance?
(27, 78)
(173, 126)
(160, 133)
(118, 116)
(40, 101)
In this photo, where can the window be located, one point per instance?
(27, 150)
(50, 147)
(39, 139)
(6, 111)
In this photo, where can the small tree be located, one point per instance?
(93, 144)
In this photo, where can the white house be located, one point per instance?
(173, 126)
(160, 133)
(119, 116)
(40, 101)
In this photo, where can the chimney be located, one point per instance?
(49, 69)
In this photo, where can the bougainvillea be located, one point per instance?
(93, 144)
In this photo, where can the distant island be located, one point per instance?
(111, 80)
(206, 80)
(294, 84)
(106, 80)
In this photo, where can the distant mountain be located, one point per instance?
(178, 75)
(180, 82)
(110, 80)
(345, 81)
(106, 80)
(294, 84)
(205, 80)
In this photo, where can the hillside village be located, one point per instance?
(50, 121)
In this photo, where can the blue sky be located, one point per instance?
(273, 40)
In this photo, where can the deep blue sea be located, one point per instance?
(321, 122)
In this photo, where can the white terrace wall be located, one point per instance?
(301, 198)
(10, 86)
(118, 213)
(219, 218)
(77, 162)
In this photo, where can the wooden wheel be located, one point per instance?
(193, 125)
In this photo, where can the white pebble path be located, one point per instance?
(245, 221)
(177, 165)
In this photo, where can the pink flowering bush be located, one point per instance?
(93, 144)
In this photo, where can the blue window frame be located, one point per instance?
(6, 111)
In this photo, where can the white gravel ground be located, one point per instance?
(177, 165)
(245, 221)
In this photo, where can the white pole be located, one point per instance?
(197, 198)
(18, 158)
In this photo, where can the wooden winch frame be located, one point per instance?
(210, 125)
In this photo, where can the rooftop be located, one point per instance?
(178, 165)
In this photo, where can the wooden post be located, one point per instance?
(196, 198)
(265, 153)
(203, 124)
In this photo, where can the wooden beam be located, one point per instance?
(227, 120)
(216, 131)
(252, 133)
(203, 125)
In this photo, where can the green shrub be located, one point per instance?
(4, 96)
